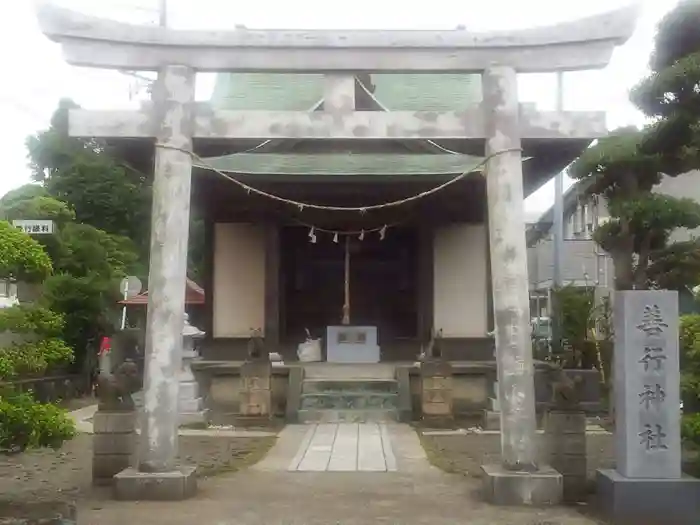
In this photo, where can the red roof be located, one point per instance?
(194, 294)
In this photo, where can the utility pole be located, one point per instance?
(558, 231)
(163, 10)
(558, 200)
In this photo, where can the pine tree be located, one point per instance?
(625, 166)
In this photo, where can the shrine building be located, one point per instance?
(414, 267)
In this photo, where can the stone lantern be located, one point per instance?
(190, 402)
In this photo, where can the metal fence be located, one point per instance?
(49, 389)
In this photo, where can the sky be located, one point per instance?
(38, 77)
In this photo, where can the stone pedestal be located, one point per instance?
(492, 415)
(114, 443)
(630, 501)
(507, 487)
(256, 393)
(647, 486)
(436, 393)
(176, 485)
(565, 442)
(491, 420)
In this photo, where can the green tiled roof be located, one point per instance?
(301, 92)
(415, 92)
(271, 91)
(344, 164)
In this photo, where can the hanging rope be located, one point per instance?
(386, 109)
(346, 284)
(361, 209)
(360, 234)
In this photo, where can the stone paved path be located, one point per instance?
(345, 447)
(270, 494)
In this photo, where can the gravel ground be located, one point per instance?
(267, 494)
(66, 473)
(464, 454)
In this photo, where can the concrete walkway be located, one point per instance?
(268, 493)
(348, 447)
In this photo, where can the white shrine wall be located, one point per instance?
(239, 279)
(460, 280)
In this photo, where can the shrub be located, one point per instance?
(24, 423)
(21, 257)
(28, 424)
(690, 360)
(40, 347)
(574, 310)
(690, 429)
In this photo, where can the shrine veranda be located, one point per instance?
(311, 246)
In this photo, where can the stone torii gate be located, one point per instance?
(174, 121)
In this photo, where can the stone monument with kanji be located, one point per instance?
(647, 486)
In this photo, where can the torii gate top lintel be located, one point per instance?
(96, 42)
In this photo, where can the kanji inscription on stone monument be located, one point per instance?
(653, 357)
(652, 322)
(652, 435)
(652, 396)
(647, 385)
(653, 438)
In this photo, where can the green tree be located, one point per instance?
(690, 378)
(35, 348)
(103, 190)
(21, 258)
(100, 184)
(670, 97)
(669, 94)
(625, 166)
(88, 265)
(32, 201)
(641, 222)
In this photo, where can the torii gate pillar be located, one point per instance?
(157, 476)
(518, 479)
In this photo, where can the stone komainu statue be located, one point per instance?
(114, 390)
(433, 350)
(256, 346)
(565, 393)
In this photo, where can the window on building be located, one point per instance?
(8, 288)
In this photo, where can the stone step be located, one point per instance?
(310, 386)
(347, 371)
(348, 416)
(343, 400)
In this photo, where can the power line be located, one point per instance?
(163, 11)
(24, 108)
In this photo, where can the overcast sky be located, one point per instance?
(36, 76)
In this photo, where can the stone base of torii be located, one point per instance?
(174, 120)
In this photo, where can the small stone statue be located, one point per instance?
(114, 390)
(256, 346)
(565, 395)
